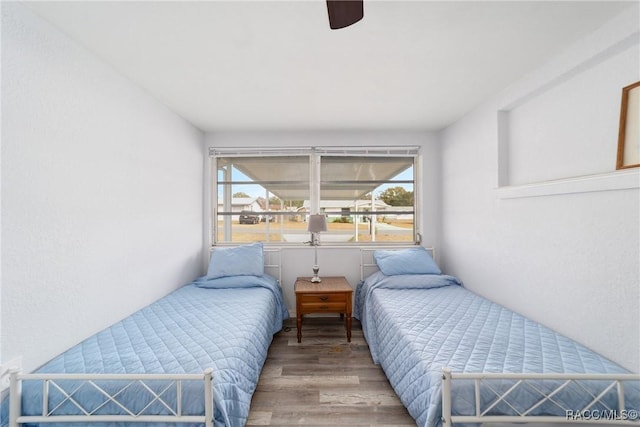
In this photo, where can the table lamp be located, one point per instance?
(317, 223)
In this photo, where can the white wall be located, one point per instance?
(341, 261)
(0, 203)
(560, 242)
(101, 193)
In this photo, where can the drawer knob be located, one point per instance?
(324, 298)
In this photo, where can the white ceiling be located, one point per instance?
(276, 65)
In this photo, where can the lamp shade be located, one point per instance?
(317, 223)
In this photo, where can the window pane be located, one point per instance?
(259, 199)
(368, 199)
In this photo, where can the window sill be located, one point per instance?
(619, 180)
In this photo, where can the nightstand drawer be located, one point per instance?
(322, 298)
(330, 307)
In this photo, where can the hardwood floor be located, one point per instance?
(324, 381)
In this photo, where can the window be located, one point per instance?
(368, 195)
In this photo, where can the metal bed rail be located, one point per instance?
(604, 414)
(273, 263)
(173, 388)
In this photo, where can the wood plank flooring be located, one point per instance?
(324, 381)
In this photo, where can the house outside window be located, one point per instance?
(367, 194)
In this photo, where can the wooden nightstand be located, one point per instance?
(332, 295)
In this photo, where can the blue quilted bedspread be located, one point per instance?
(206, 324)
(416, 325)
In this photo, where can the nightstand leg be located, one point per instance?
(299, 324)
(348, 328)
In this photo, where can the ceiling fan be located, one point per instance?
(343, 13)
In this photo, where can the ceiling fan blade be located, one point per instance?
(343, 13)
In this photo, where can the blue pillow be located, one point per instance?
(406, 261)
(245, 260)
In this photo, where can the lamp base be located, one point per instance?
(315, 278)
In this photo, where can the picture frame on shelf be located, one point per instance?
(629, 131)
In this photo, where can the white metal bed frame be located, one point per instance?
(172, 388)
(482, 381)
(587, 414)
(48, 415)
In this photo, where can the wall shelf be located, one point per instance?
(610, 181)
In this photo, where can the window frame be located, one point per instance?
(315, 155)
